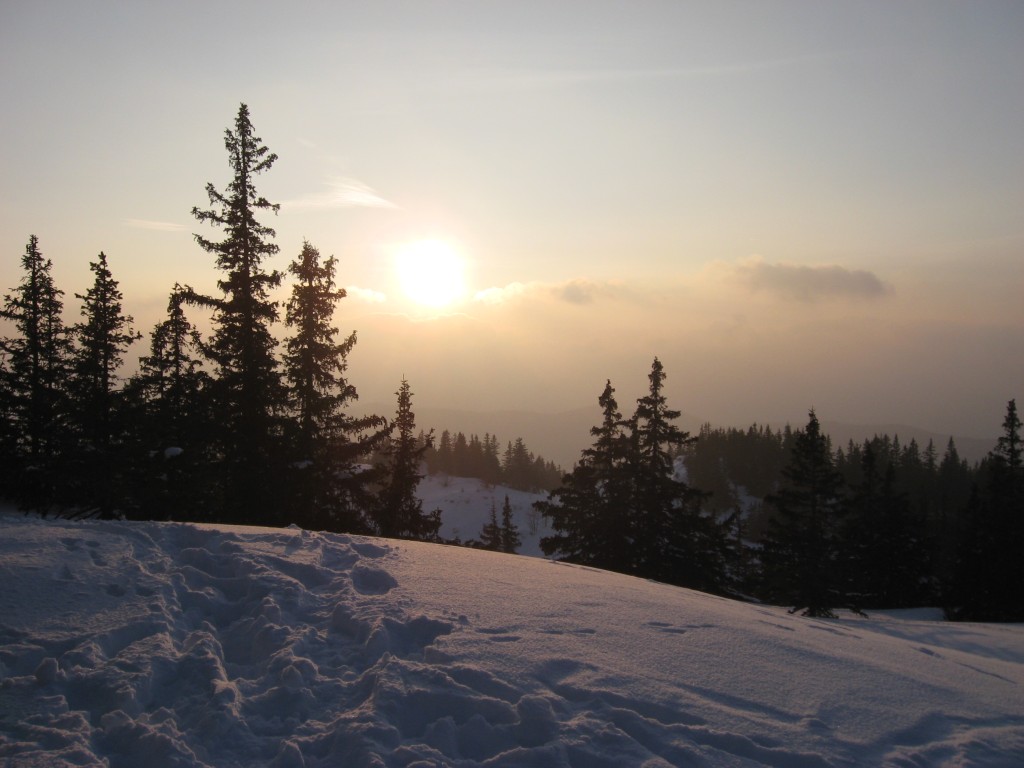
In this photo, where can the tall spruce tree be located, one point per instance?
(35, 375)
(800, 552)
(591, 511)
(328, 491)
(250, 396)
(101, 340)
(399, 513)
(675, 541)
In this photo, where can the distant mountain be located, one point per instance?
(559, 437)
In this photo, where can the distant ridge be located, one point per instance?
(973, 449)
(560, 436)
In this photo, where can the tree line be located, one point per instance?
(514, 467)
(782, 517)
(237, 427)
(240, 427)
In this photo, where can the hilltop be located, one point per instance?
(170, 644)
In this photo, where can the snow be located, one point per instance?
(164, 644)
(465, 504)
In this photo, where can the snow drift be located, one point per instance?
(165, 644)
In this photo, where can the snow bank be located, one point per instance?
(164, 645)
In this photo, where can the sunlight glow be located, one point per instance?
(431, 273)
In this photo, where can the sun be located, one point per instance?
(431, 272)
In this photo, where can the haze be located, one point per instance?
(791, 204)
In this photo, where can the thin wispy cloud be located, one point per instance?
(808, 283)
(579, 292)
(501, 295)
(342, 192)
(156, 226)
(368, 295)
(583, 292)
(558, 78)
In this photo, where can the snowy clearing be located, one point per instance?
(167, 644)
(465, 504)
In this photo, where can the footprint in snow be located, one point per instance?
(368, 549)
(664, 626)
(372, 581)
(499, 634)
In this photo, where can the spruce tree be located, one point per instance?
(490, 534)
(591, 511)
(173, 422)
(101, 340)
(399, 513)
(491, 461)
(445, 455)
(800, 553)
(609, 469)
(882, 545)
(327, 489)
(988, 580)
(250, 395)
(675, 542)
(34, 380)
(517, 466)
(509, 537)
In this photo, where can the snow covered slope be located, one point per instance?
(465, 505)
(165, 644)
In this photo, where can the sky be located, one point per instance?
(791, 204)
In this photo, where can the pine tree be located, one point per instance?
(327, 489)
(517, 466)
(445, 455)
(101, 340)
(882, 544)
(173, 422)
(509, 537)
(491, 462)
(801, 551)
(675, 542)
(34, 379)
(400, 511)
(989, 573)
(250, 396)
(591, 511)
(1008, 450)
(490, 534)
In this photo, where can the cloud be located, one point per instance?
(342, 192)
(520, 79)
(156, 226)
(808, 283)
(578, 292)
(501, 295)
(368, 295)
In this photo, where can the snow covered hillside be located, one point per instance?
(164, 644)
(465, 505)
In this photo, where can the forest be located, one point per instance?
(783, 517)
(252, 425)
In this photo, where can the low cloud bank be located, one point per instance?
(809, 283)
